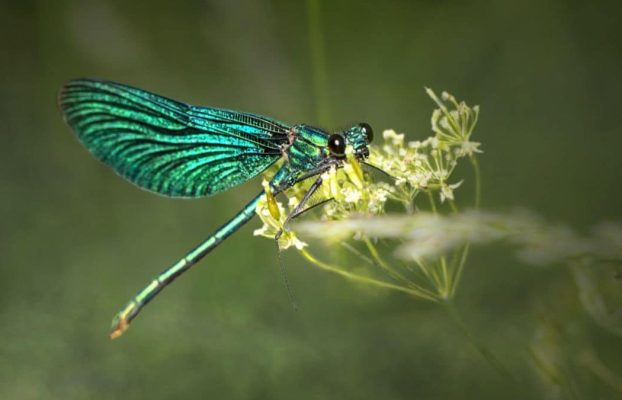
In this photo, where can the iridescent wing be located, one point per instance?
(169, 147)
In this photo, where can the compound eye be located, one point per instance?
(337, 144)
(367, 131)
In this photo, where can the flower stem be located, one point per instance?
(601, 371)
(452, 205)
(416, 291)
(485, 352)
(432, 202)
(445, 288)
(382, 264)
(478, 183)
(427, 272)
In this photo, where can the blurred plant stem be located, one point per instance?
(478, 181)
(318, 63)
(605, 374)
(484, 351)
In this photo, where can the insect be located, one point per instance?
(179, 150)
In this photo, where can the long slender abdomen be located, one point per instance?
(123, 319)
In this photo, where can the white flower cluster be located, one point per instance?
(427, 165)
(455, 127)
(353, 207)
(347, 189)
(416, 166)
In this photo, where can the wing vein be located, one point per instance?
(166, 146)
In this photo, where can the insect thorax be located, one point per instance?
(308, 148)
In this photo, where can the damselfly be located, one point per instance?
(180, 150)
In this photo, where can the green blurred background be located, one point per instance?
(76, 240)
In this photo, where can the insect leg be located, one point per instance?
(297, 211)
(300, 207)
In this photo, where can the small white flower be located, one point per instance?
(468, 148)
(387, 134)
(395, 138)
(388, 149)
(447, 191)
(351, 195)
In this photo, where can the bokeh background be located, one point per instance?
(76, 240)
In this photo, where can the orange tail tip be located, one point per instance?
(118, 330)
(120, 323)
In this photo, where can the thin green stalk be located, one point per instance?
(478, 183)
(452, 205)
(442, 283)
(408, 207)
(432, 202)
(357, 253)
(318, 62)
(465, 252)
(379, 262)
(382, 264)
(417, 291)
(556, 377)
(458, 274)
(426, 271)
(485, 352)
(445, 287)
(601, 371)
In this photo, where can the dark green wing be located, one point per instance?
(166, 146)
